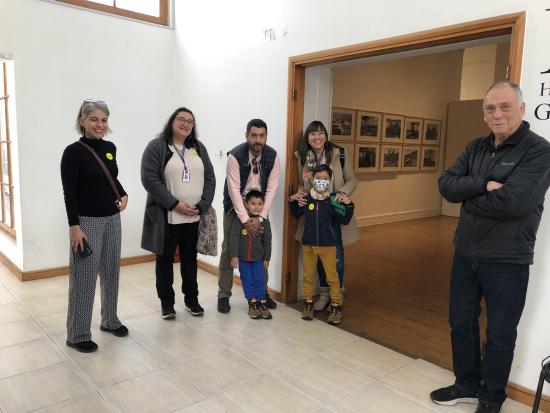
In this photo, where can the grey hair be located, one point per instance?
(510, 84)
(85, 109)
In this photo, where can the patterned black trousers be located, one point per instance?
(104, 239)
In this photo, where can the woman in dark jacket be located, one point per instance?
(180, 183)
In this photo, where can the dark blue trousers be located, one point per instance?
(504, 287)
(339, 260)
(252, 279)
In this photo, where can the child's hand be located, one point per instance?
(235, 262)
(266, 264)
(343, 198)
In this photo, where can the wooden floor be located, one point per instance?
(397, 287)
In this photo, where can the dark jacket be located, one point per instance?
(320, 219)
(266, 163)
(501, 225)
(247, 247)
(159, 199)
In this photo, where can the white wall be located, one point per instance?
(232, 74)
(62, 55)
(217, 63)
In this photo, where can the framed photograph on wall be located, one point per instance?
(411, 158)
(432, 132)
(367, 157)
(369, 127)
(350, 150)
(413, 131)
(342, 124)
(390, 158)
(393, 128)
(429, 159)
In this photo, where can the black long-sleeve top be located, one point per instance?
(86, 189)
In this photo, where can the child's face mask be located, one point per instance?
(321, 185)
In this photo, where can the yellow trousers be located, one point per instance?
(327, 255)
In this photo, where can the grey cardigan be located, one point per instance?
(159, 199)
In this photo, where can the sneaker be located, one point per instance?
(307, 312)
(168, 312)
(270, 303)
(223, 305)
(264, 312)
(484, 407)
(122, 331)
(253, 311)
(449, 396)
(83, 346)
(335, 315)
(195, 309)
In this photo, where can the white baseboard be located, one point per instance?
(368, 220)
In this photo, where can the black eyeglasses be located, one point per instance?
(255, 168)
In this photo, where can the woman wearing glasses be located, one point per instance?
(315, 149)
(180, 183)
(94, 199)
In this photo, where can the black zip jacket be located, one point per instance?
(320, 217)
(501, 225)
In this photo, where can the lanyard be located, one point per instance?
(318, 159)
(181, 155)
(185, 177)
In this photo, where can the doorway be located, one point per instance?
(509, 25)
(512, 25)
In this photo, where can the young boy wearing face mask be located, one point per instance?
(322, 212)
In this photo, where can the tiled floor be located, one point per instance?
(215, 363)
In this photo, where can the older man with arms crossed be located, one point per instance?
(501, 181)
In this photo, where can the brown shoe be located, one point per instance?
(264, 311)
(335, 314)
(307, 312)
(253, 311)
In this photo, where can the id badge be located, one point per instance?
(186, 176)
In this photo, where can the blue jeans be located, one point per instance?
(339, 261)
(252, 279)
(504, 287)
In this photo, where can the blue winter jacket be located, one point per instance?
(320, 219)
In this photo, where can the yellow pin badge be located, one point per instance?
(109, 156)
(245, 232)
(311, 207)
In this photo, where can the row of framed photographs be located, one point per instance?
(392, 158)
(348, 124)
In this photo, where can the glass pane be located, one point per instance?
(7, 216)
(106, 2)
(149, 7)
(3, 132)
(2, 78)
(5, 177)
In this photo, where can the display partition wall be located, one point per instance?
(511, 24)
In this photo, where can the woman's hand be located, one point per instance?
(123, 203)
(343, 198)
(185, 209)
(235, 262)
(299, 197)
(77, 238)
(266, 264)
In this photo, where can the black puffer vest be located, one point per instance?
(240, 152)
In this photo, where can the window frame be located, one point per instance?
(4, 99)
(117, 11)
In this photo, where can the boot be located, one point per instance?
(324, 299)
(342, 291)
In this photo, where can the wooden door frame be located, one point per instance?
(510, 24)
